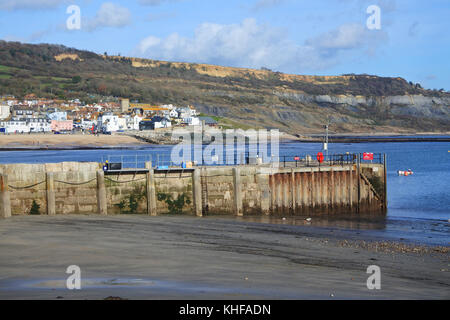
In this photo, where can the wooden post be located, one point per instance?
(101, 193)
(312, 189)
(323, 191)
(151, 190)
(279, 186)
(51, 204)
(338, 182)
(197, 190)
(286, 197)
(358, 175)
(317, 189)
(273, 193)
(333, 190)
(385, 184)
(350, 188)
(5, 199)
(237, 192)
(304, 183)
(328, 191)
(298, 196)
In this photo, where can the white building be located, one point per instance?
(170, 113)
(16, 126)
(112, 123)
(161, 122)
(5, 112)
(191, 121)
(26, 126)
(59, 116)
(133, 122)
(39, 125)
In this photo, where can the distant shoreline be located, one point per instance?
(375, 139)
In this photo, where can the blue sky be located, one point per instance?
(324, 37)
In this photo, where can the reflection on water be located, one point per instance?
(341, 221)
(365, 227)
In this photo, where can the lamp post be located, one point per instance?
(325, 144)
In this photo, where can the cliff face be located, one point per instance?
(259, 98)
(407, 105)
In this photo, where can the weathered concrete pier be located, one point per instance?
(288, 189)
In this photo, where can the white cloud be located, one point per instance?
(254, 45)
(30, 4)
(348, 37)
(109, 15)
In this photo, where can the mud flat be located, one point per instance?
(180, 257)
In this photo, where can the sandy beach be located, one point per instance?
(43, 141)
(180, 257)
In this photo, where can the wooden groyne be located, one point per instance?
(84, 188)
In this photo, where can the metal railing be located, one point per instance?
(164, 161)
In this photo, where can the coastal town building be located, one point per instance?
(25, 126)
(208, 121)
(155, 123)
(4, 112)
(58, 115)
(34, 114)
(61, 125)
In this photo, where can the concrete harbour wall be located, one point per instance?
(83, 188)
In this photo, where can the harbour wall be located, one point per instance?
(84, 188)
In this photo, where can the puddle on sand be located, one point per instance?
(141, 285)
(125, 283)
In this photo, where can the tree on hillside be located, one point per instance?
(76, 79)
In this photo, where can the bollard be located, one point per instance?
(237, 192)
(197, 190)
(151, 190)
(101, 193)
(51, 205)
(5, 200)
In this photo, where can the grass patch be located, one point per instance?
(56, 79)
(4, 68)
(226, 123)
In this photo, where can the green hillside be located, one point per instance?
(261, 98)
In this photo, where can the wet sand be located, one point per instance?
(180, 257)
